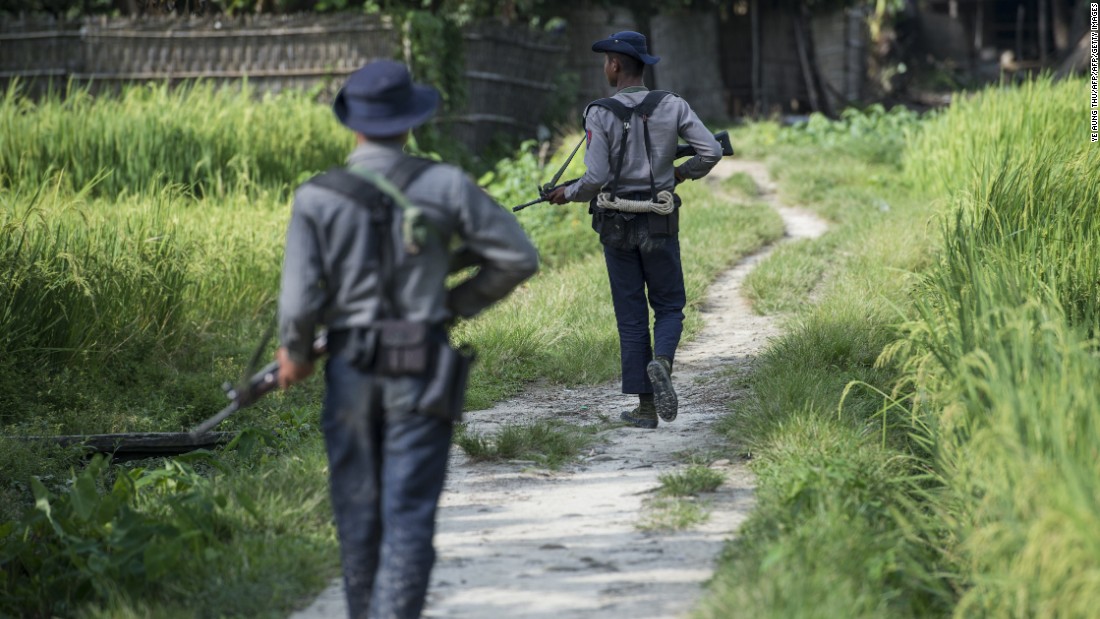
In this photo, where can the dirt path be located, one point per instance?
(515, 542)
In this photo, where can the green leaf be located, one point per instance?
(41, 498)
(84, 497)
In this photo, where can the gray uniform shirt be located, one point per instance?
(328, 277)
(672, 119)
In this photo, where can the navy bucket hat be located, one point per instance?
(627, 42)
(381, 100)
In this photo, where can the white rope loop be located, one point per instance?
(663, 206)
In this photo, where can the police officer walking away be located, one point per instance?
(630, 182)
(367, 255)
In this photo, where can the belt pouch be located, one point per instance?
(445, 390)
(666, 225)
(613, 229)
(403, 348)
(359, 346)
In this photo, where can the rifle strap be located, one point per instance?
(561, 170)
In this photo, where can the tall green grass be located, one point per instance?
(959, 476)
(1004, 348)
(122, 292)
(210, 141)
(839, 487)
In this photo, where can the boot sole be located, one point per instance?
(664, 396)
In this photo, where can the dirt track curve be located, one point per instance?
(514, 542)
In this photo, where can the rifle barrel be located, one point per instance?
(516, 209)
(544, 194)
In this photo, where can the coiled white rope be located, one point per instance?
(663, 206)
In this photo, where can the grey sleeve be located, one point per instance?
(597, 162)
(492, 235)
(708, 152)
(302, 290)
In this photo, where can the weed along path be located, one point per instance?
(591, 539)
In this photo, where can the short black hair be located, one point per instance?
(631, 65)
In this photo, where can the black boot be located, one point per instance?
(664, 396)
(644, 416)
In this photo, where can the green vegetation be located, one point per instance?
(140, 246)
(692, 480)
(196, 535)
(677, 506)
(925, 433)
(786, 280)
(1004, 343)
(742, 184)
(197, 140)
(672, 514)
(547, 443)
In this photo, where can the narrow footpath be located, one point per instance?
(517, 542)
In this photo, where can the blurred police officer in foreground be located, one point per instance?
(630, 183)
(369, 263)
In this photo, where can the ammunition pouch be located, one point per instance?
(402, 348)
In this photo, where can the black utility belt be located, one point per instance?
(613, 225)
(404, 348)
(390, 347)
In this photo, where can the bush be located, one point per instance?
(875, 133)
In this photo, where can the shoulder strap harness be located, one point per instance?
(380, 194)
(625, 114)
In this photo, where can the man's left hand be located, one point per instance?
(557, 196)
(289, 371)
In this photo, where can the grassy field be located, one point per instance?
(141, 241)
(925, 434)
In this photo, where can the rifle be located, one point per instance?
(255, 387)
(682, 150)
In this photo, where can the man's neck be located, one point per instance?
(629, 82)
(394, 140)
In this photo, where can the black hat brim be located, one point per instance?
(611, 45)
(352, 113)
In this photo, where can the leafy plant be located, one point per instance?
(95, 537)
(874, 133)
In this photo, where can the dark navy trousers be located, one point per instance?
(645, 272)
(386, 470)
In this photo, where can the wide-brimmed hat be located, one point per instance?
(381, 100)
(627, 42)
